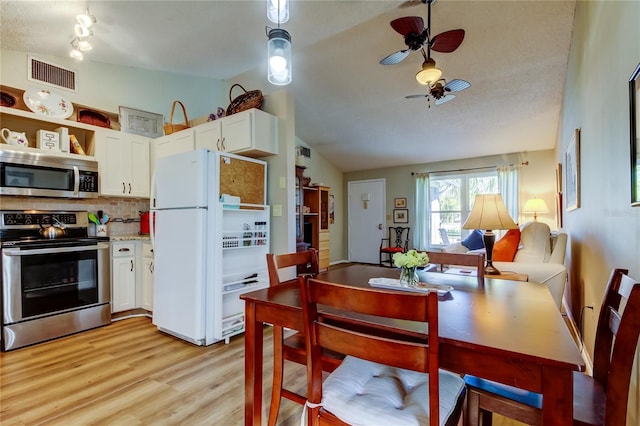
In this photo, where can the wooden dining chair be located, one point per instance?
(445, 260)
(387, 378)
(291, 348)
(397, 242)
(598, 400)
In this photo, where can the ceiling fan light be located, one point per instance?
(279, 57)
(278, 11)
(429, 73)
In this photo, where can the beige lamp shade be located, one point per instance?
(535, 206)
(489, 212)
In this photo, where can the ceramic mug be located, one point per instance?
(14, 138)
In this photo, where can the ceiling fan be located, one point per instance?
(417, 36)
(441, 91)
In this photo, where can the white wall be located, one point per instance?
(107, 87)
(536, 179)
(605, 231)
(321, 171)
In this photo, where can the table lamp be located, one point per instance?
(535, 206)
(489, 213)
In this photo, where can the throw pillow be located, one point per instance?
(504, 250)
(474, 240)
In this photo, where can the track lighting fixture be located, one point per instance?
(86, 19)
(82, 29)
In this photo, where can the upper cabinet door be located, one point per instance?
(209, 135)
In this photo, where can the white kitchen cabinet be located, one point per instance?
(124, 164)
(123, 276)
(146, 293)
(252, 133)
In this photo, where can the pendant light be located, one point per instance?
(278, 11)
(279, 47)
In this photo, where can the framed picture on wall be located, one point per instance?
(401, 215)
(559, 195)
(400, 203)
(572, 172)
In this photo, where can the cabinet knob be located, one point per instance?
(132, 265)
(123, 249)
(124, 188)
(129, 187)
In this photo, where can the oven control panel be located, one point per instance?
(14, 219)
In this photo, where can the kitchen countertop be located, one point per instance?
(130, 237)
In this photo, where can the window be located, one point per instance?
(451, 197)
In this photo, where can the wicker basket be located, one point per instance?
(172, 128)
(248, 100)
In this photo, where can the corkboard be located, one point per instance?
(244, 179)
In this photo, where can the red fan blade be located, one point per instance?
(447, 41)
(408, 25)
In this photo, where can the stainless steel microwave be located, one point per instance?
(44, 175)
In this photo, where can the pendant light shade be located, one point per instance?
(429, 73)
(279, 53)
(278, 11)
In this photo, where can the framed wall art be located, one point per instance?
(400, 203)
(634, 120)
(559, 195)
(572, 172)
(401, 216)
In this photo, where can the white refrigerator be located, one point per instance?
(187, 228)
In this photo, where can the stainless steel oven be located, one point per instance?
(51, 287)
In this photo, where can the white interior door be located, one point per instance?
(366, 219)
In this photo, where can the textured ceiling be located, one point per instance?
(349, 108)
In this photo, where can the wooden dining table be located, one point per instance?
(507, 331)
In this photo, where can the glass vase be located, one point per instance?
(409, 277)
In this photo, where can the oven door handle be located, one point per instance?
(19, 252)
(76, 180)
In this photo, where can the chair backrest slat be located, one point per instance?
(616, 342)
(304, 261)
(443, 259)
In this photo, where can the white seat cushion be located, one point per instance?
(361, 392)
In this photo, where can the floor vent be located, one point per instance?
(52, 74)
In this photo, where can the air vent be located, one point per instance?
(52, 74)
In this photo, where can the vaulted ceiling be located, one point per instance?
(349, 108)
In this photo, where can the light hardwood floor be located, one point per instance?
(128, 373)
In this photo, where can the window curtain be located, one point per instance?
(423, 213)
(508, 187)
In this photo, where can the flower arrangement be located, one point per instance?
(409, 262)
(410, 259)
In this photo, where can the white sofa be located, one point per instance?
(540, 255)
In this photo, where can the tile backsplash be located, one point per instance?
(124, 213)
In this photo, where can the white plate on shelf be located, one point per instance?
(47, 102)
(393, 284)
